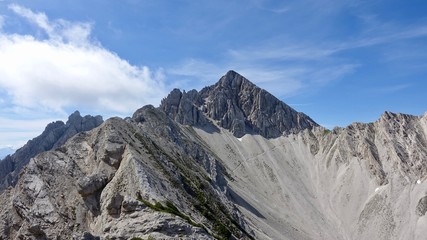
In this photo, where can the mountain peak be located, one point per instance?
(54, 135)
(233, 80)
(238, 105)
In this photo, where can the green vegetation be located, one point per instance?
(169, 208)
(192, 178)
(222, 230)
(326, 131)
(138, 238)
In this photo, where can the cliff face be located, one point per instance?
(365, 181)
(183, 171)
(144, 176)
(54, 135)
(236, 104)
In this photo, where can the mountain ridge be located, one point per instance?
(185, 170)
(238, 105)
(54, 135)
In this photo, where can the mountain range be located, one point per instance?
(230, 161)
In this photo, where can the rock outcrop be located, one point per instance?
(54, 135)
(228, 162)
(236, 104)
(165, 184)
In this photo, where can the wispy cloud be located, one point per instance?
(293, 52)
(48, 75)
(205, 71)
(68, 70)
(282, 82)
(290, 67)
(271, 6)
(390, 89)
(279, 10)
(59, 30)
(393, 36)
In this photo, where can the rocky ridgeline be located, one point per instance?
(228, 162)
(236, 104)
(140, 177)
(54, 135)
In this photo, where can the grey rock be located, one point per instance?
(89, 184)
(131, 205)
(115, 204)
(162, 174)
(89, 236)
(54, 135)
(184, 107)
(422, 206)
(238, 105)
(37, 231)
(75, 190)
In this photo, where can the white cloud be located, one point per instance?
(40, 19)
(68, 70)
(44, 77)
(59, 30)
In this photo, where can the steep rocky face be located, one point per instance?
(154, 175)
(365, 181)
(149, 176)
(146, 176)
(236, 104)
(54, 135)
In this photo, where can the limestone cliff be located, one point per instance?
(238, 105)
(228, 162)
(54, 135)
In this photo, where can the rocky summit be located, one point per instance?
(228, 162)
(236, 104)
(55, 134)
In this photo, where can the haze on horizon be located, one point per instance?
(336, 61)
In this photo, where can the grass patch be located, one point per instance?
(189, 176)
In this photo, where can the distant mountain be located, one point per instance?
(236, 104)
(6, 151)
(228, 162)
(55, 134)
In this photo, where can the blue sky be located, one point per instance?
(339, 61)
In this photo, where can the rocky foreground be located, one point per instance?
(228, 162)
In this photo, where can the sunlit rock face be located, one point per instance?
(228, 162)
(54, 135)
